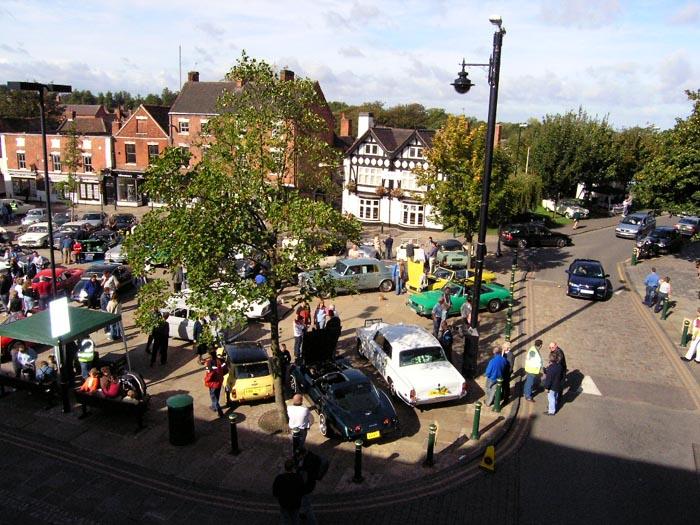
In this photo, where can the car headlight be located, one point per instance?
(602, 287)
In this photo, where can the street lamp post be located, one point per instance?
(40, 88)
(462, 85)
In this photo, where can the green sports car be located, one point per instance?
(493, 297)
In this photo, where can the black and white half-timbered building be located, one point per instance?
(379, 183)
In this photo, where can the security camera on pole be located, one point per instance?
(462, 85)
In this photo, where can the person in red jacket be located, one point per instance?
(214, 380)
(43, 288)
(77, 251)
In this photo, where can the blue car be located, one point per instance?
(587, 279)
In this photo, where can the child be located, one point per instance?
(45, 373)
(92, 383)
(130, 397)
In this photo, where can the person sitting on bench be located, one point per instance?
(24, 360)
(108, 383)
(45, 373)
(92, 383)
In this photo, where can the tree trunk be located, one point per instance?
(277, 367)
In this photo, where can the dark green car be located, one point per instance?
(493, 297)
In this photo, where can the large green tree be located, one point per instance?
(671, 180)
(24, 104)
(238, 200)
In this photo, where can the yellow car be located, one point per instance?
(441, 276)
(249, 375)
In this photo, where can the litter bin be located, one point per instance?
(181, 419)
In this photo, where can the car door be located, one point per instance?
(377, 354)
(177, 324)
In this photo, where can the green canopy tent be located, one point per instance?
(83, 322)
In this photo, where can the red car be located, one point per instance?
(66, 278)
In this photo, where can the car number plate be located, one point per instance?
(374, 435)
(587, 291)
(89, 256)
(442, 391)
(253, 391)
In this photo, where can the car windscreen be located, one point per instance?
(588, 270)
(631, 220)
(421, 356)
(37, 229)
(250, 370)
(689, 220)
(340, 268)
(443, 273)
(356, 397)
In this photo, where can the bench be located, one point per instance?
(45, 390)
(112, 405)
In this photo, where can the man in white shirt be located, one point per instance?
(109, 281)
(299, 421)
(38, 261)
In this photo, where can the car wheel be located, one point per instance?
(323, 425)
(561, 243)
(522, 243)
(294, 387)
(494, 305)
(385, 286)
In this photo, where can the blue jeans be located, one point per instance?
(85, 369)
(552, 397)
(297, 346)
(214, 394)
(398, 284)
(647, 295)
(530, 381)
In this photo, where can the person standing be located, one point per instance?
(533, 368)
(114, 306)
(299, 331)
(288, 488)
(554, 374)
(309, 466)
(694, 347)
(494, 372)
(396, 276)
(214, 380)
(446, 340)
(507, 371)
(664, 293)
(77, 250)
(377, 246)
(86, 355)
(439, 314)
(320, 315)
(178, 278)
(299, 421)
(200, 347)
(465, 313)
(333, 329)
(5, 286)
(388, 246)
(93, 291)
(651, 283)
(432, 255)
(159, 337)
(576, 217)
(66, 245)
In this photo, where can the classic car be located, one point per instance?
(36, 236)
(95, 219)
(492, 298)
(663, 239)
(441, 276)
(532, 234)
(182, 318)
(352, 274)
(121, 273)
(411, 361)
(60, 218)
(635, 224)
(569, 207)
(450, 245)
(249, 375)
(587, 279)
(93, 249)
(349, 406)
(66, 278)
(72, 230)
(18, 207)
(688, 226)
(122, 222)
(34, 216)
(116, 254)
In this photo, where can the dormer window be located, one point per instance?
(371, 149)
(415, 152)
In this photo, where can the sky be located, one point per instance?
(627, 61)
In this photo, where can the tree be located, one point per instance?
(24, 104)
(237, 200)
(671, 180)
(72, 157)
(455, 173)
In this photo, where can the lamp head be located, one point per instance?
(496, 20)
(462, 84)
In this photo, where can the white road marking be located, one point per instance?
(589, 387)
(619, 291)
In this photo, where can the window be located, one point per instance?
(371, 149)
(127, 189)
(370, 268)
(415, 152)
(89, 192)
(183, 126)
(413, 214)
(140, 125)
(21, 161)
(369, 209)
(130, 150)
(152, 152)
(56, 161)
(369, 176)
(87, 163)
(204, 127)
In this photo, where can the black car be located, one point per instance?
(108, 237)
(349, 406)
(122, 221)
(121, 273)
(450, 245)
(532, 234)
(587, 279)
(663, 239)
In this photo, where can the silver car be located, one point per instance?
(635, 224)
(360, 274)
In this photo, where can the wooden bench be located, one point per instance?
(112, 405)
(44, 390)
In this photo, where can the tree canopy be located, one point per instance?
(671, 180)
(411, 116)
(238, 202)
(24, 104)
(120, 98)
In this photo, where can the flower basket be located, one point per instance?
(397, 193)
(351, 186)
(381, 191)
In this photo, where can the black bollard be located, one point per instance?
(295, 440)
(357, 478)
(429, 461)
(234, 434)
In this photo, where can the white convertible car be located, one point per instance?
(411, 361)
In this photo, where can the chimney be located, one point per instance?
(116, 125)
(497, 135)
(345, 126)
(364, 122)
(286, 75)
(193, 76)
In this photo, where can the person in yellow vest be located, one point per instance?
(533, 368)
(694, 348)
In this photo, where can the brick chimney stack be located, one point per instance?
(116, 125)
(345, 126)
(286, 75)
(193, 76)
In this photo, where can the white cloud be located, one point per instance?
(580, 13)
(687, 14)
(351, 52)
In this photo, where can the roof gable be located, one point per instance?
(201, 97)
(158, 114)
(393, 140)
